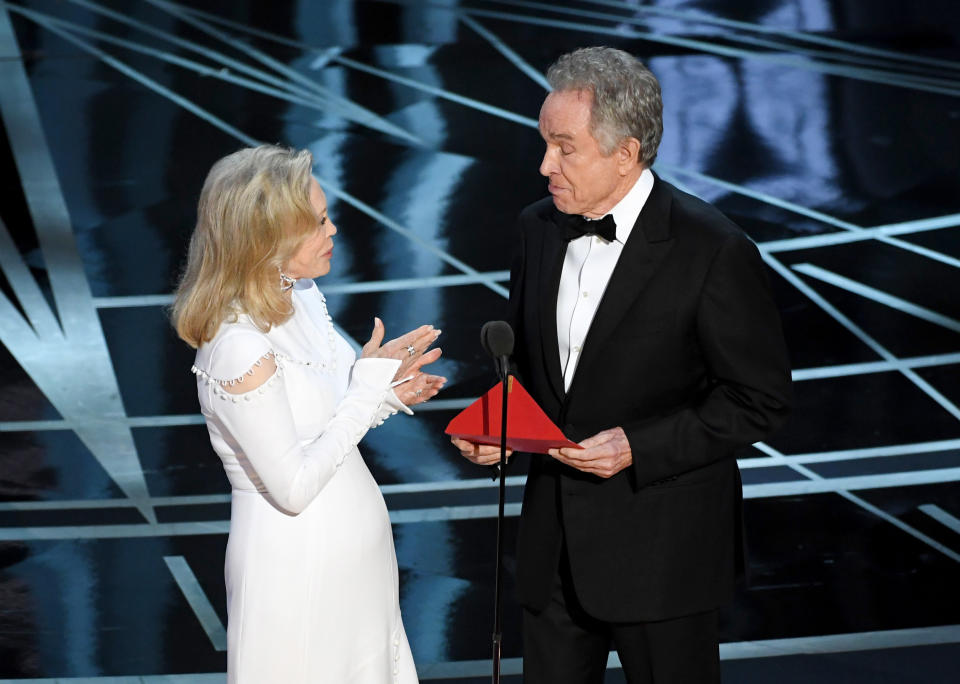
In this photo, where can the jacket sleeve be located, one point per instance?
(515, 302)
(749, 392)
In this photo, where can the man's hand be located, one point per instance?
(481, 454)
(605, 454)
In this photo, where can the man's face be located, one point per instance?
(582, 179)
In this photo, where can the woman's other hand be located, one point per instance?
(420, 388)
(411, 349)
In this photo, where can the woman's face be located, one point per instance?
(312, 260)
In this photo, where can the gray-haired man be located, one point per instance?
(657, 343)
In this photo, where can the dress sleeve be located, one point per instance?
(261, 423)
(390, 407)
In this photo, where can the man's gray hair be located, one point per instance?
(626, 96)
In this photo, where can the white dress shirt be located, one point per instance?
(587, 267)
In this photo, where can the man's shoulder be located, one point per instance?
(540, 211)
(689, 213)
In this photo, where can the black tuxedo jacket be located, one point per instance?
(686, 354)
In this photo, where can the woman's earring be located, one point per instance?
(286, 282)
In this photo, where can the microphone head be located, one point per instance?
(496, 337)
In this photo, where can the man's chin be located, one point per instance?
(561, 205)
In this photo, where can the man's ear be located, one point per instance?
(628, 155)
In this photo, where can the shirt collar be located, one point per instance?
(626, 211)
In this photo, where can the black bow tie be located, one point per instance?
(576, 226)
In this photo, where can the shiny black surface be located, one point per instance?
(792, 139)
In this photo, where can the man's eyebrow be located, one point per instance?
(559, 136)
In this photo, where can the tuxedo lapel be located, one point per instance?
(649, 243)
(551, 267)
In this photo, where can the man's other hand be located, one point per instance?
(481, 454)
(605, 454)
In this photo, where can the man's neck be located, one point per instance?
(623, 187)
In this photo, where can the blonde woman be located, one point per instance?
(310, 569)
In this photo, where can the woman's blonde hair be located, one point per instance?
(253, 215)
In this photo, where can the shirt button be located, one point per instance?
(597, 240)
(586, 294)
(577, 349)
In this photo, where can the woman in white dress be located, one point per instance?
(310, 568)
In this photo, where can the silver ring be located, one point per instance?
(410, 350)
(419, 392)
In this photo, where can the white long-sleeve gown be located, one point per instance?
(311, 572)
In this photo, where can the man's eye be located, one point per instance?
(566, 150)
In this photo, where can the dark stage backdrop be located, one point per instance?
(830, 131)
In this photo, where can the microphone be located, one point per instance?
(496, 338)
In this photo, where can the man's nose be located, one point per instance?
(548, 166)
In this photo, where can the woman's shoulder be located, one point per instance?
(233, 351)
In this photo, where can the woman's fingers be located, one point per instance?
(419, 339)
(427, 358)
(411, 363)
(376, 337)
(423, 388)
(409, 348)
(416, 338)
(414, 363)
(435, 381)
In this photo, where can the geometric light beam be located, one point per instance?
(878, 296)
(881, 351)
(334, 102)
(71, 365)
(866, 505)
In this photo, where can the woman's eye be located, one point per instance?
(323, 221)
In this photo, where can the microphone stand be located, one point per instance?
(504, 368)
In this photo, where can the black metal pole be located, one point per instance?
(498, 599)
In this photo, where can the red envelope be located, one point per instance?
(528, 428)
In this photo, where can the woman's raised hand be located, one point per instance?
(410, 349)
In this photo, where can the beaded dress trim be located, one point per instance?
(279, 358)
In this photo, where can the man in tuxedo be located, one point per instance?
(645, 327)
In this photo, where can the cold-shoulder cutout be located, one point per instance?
(234, 350)
(257, 375)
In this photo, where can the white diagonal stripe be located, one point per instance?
(941, 516)
(505, 50)
(867, 367)
(814, 296)
(866, 505)
(198, 601)
(878, 296)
